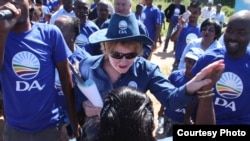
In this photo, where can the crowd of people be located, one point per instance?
(49, 47)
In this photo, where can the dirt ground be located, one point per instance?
(163, 59)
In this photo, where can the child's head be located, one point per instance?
(191, 57)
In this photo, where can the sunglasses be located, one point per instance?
(118, 55)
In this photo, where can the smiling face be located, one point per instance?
(237, 34)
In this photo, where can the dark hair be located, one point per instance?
(127, 115)
(139, 5)
(40, 2)
(35, 10)
(195, 4)
(216, 25)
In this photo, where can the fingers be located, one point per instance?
(207, 77)
(8, 23)
(214, 77)
(211, 69)
(12, 8)
(194, 85)
(214, 73)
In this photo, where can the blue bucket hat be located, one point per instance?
(120, 28)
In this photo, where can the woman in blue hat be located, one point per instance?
(120, 65)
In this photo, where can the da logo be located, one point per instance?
(133, 84)
(229, 86)
(25, 65)
(123, 25)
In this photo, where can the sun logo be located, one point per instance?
(25, 65)
(123, 25)
(229, 86)
(133, 84)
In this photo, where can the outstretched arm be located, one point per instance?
(206, 78)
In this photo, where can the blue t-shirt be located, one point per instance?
(51, 4)
(231, 100)
(28, 74)
(150, 17)
(187, 34)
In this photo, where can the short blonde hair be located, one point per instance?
(108, 47)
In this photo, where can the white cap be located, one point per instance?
(194, 53)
